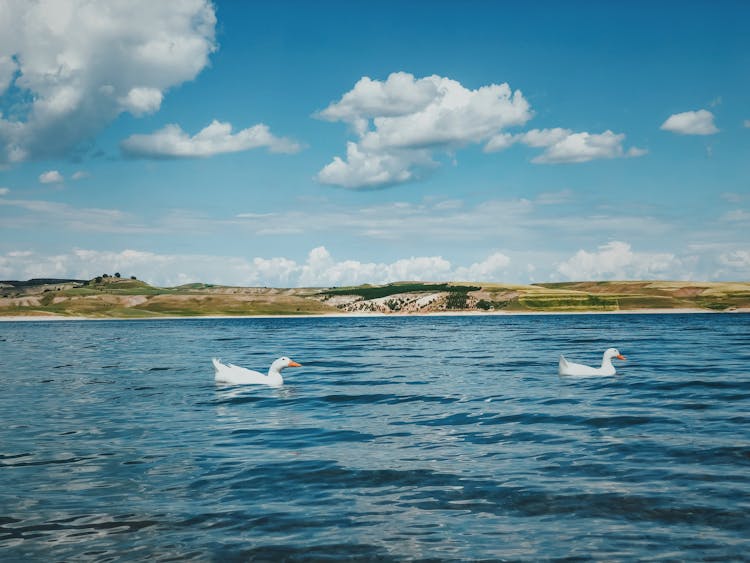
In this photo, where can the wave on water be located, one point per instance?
(412, 438)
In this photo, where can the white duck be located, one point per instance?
(570, 368)
(235, 375)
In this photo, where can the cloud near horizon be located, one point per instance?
(81, 64)
(617, 261)
(319, 269)
(216, 138)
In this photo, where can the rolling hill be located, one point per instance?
(114, 297)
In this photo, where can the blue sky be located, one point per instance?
(328, 143)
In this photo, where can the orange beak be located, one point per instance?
(293, 364)
(620, 357)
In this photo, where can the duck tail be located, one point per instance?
(217, 364)
(562, 364)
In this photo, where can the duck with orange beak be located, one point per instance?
(236, 375)
(579, 370)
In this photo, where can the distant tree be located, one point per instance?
(117, 274)
(133, 278)
(98, 279)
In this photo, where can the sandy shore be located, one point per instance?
(36, 318)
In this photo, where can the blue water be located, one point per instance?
(447, 438)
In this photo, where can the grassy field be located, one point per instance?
(129, 298)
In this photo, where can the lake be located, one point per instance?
(446, 438)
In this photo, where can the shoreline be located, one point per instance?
(56, 318)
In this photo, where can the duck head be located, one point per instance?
(284, 362)
(613, 353)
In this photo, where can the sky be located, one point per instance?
(335, 143)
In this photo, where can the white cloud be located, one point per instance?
(491, 268)
(699, 122)
(583, 147)
(616, 260)
(544, 137)
(565, 146)
(216, 138)
(81, 63)
(140, 101)
(319, 269)
(400, 121)
(746, 123)
(80, 175)
(4, 191)
(51, 177)
(500, 142)
(403, 122)
(399, 94)
(363, 169)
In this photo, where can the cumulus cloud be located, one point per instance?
(319, 269)
(500, 142)
(400, 94)
(80, 175)
(566, 146)
(402, 120)
(51, 177)
(616, 260)
(489, 269)
(140, 101)
(81, 63)
(583, 147)
(4, 191)
(363, 169)
(401, 123)
(699, 122)
(216, 138)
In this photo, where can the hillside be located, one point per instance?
(552, 297)
(127, 298)
(110, 297)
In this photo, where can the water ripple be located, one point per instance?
(431, 439)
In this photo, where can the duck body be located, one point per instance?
(236, 375)
(579, 370)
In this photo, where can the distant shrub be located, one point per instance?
(117, 274)
(484, 304)
(133, 278)
(456, 300)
